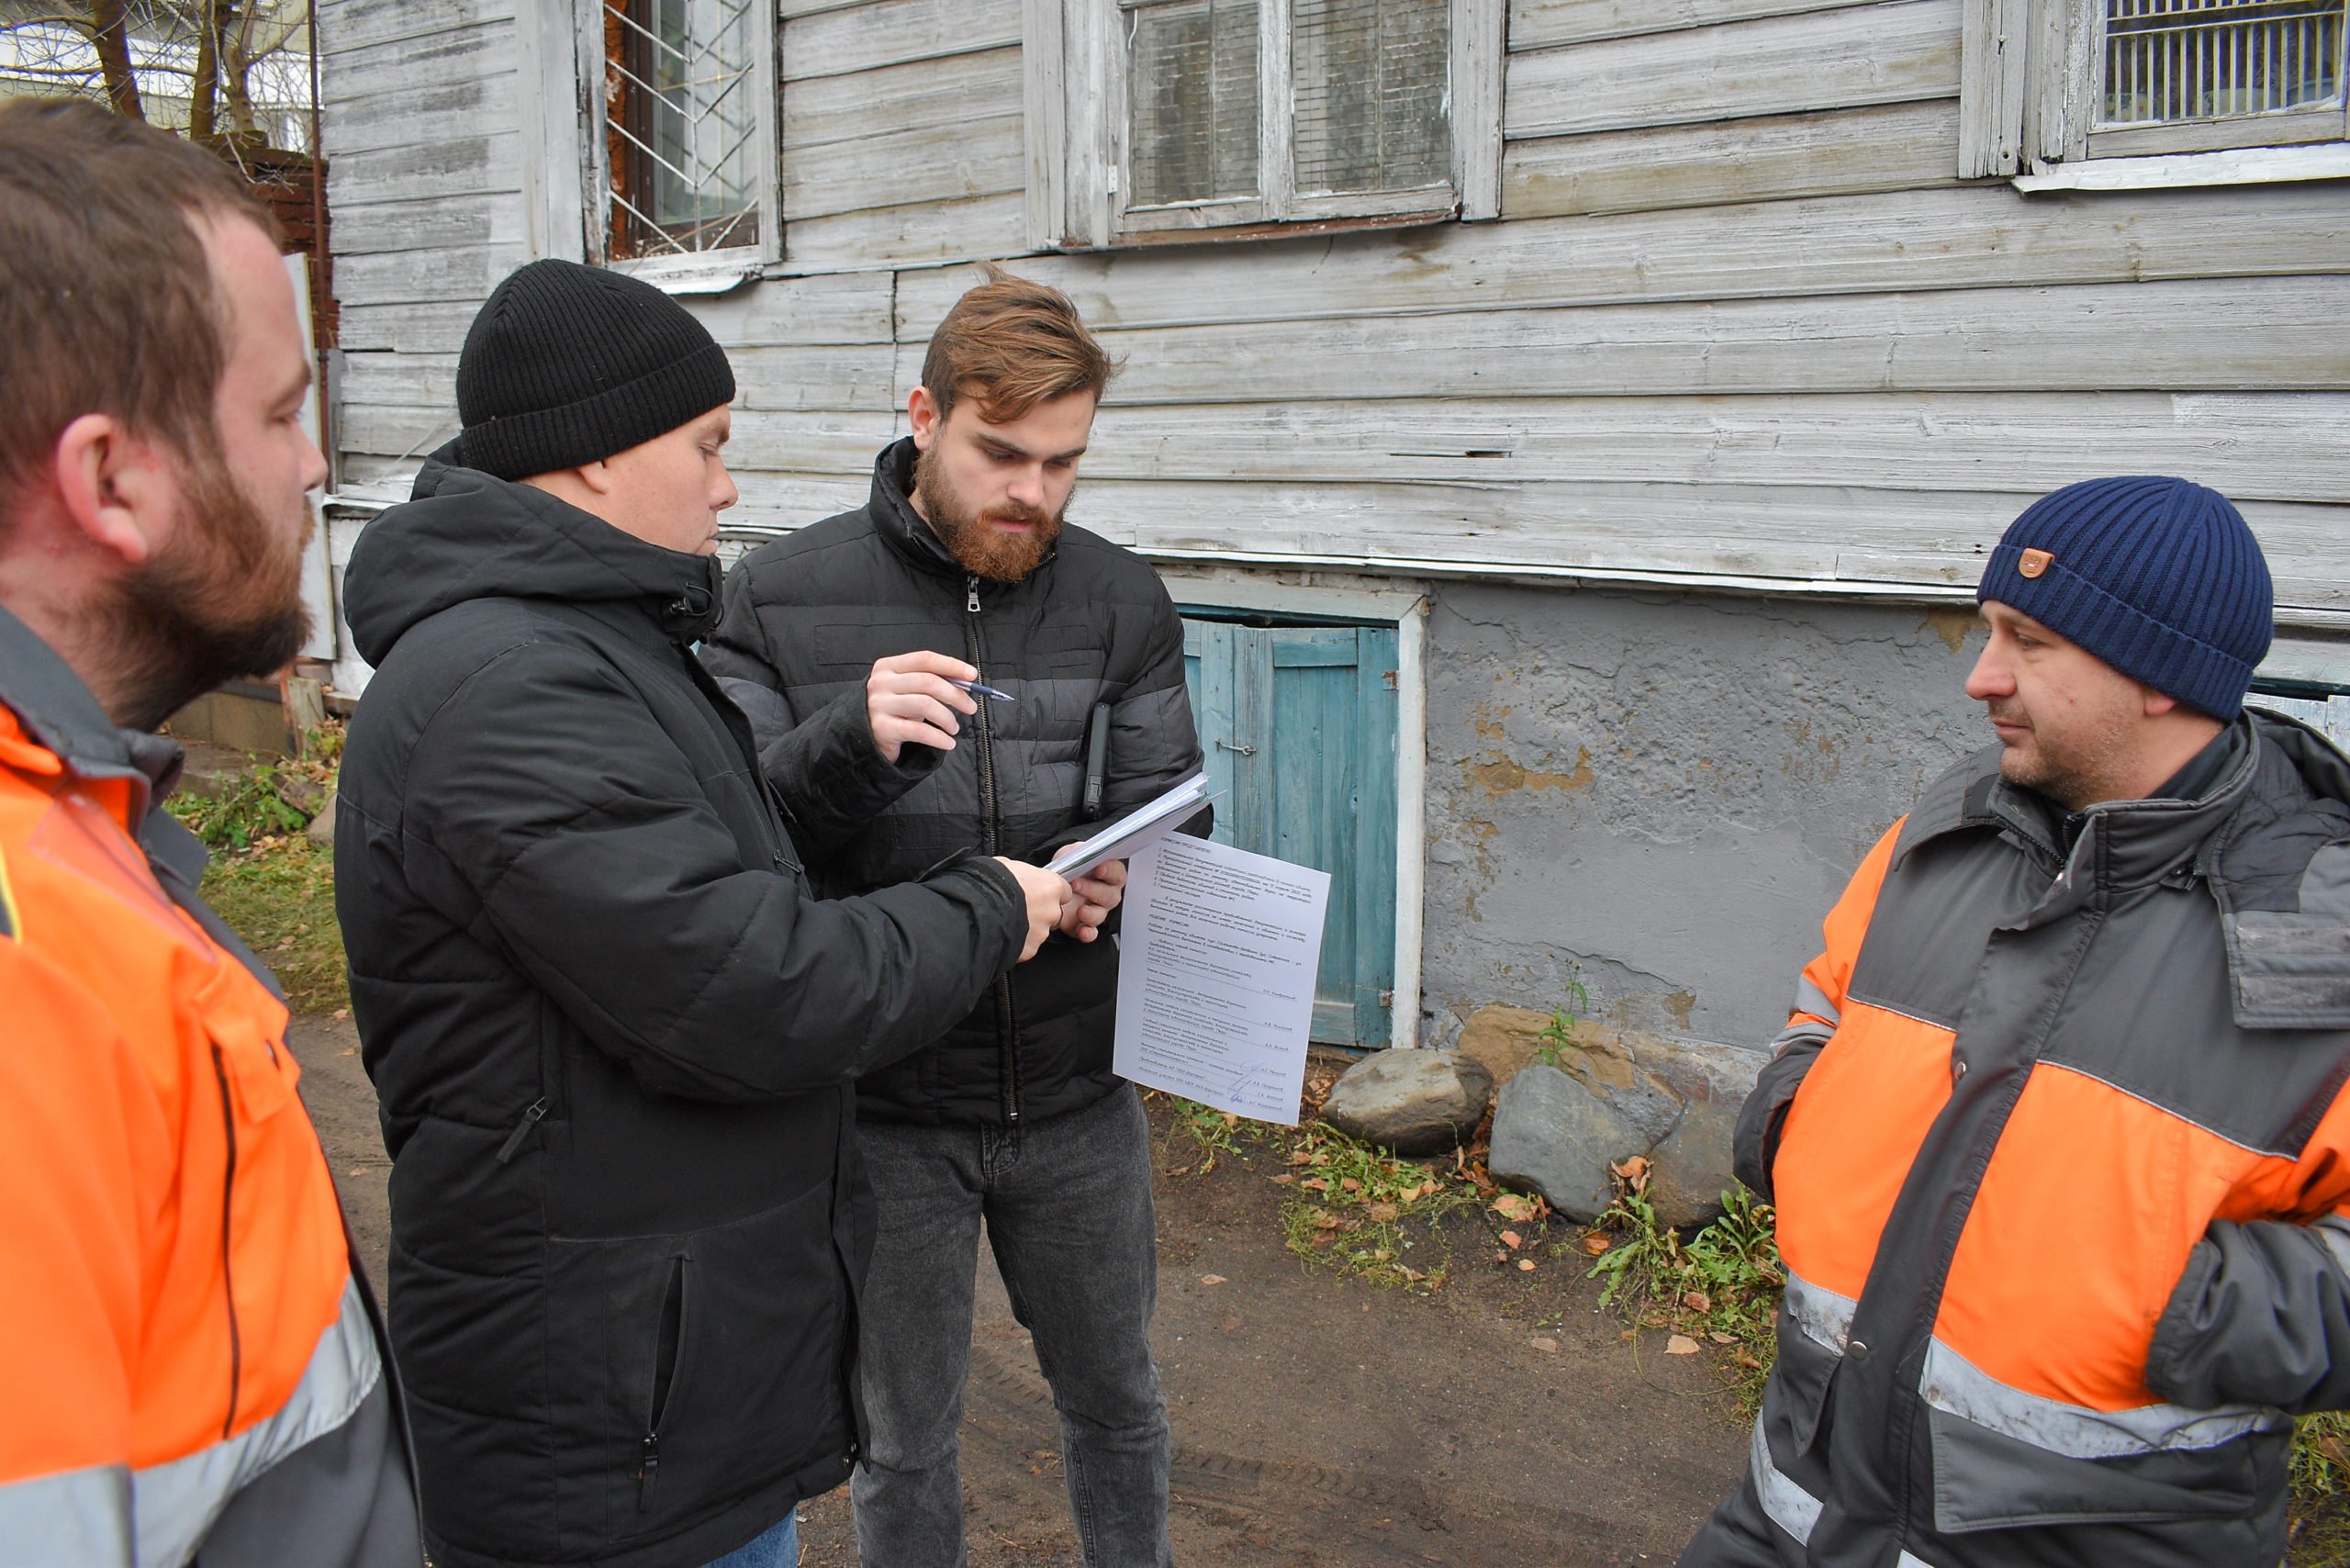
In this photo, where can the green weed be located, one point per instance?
(1721, 1286)
(279, 896)
(1349, 1206)
(1558, 1033)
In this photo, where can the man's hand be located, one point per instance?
(1047, 896)
(1096, 894)
(906, 698)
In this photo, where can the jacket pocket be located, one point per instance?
(689, 1370)
(1988, 1480)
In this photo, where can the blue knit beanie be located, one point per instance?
(2160, 578)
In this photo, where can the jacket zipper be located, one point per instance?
(668, 1350)
(991, 835)
(530, 1119)
(228, 1273)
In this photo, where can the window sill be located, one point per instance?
(707, 272)
(1287, 229)
(2239, 166)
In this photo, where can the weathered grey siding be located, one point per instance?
(1740, 322)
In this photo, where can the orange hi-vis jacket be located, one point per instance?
(2061, 1148)
(183, 1320)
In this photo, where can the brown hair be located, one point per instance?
(106, 301)
(1012, 344)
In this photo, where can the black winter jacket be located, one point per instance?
(807, 615)
(614, 1039)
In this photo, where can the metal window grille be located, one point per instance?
(2167, 61)
(681, 126)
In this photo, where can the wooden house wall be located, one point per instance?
(1740, 316)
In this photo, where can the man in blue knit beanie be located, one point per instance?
(2057, 1129)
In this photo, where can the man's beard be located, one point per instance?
(2078, 770)
(222, 599)
(972, 539)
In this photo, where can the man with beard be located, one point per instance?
(2057, 1130)
(840, 642)
(615, 1036)
(191, 1368)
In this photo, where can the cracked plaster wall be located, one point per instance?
(1659, 795)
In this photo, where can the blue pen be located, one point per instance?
(975, 689)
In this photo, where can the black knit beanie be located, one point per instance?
(568, 365)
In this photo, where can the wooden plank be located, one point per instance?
(1858, 534)
(892, 32)
(830, 307)
(2237, 334)
(924, 96)
(421, 381)
(1890, 147)
(406, 277)
(465, 55)
(890, 168)
(366, 24)
(851, 378)
(941, 231)
(430, 113)
(424, 326)
(2265, 446)
(468, 165)
(1545, 24)
(820, 441)
(1978, 237)
(388, 431)
(778, 503)
(1893, 51)
(1992, 65)
(442, 223)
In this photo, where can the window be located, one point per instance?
(2196, 84)
(1154, 119)
(685, 144)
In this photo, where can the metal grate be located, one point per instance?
(2167, 61)
(681, 127)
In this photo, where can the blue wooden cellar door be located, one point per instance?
(1299, 726)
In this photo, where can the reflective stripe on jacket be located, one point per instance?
(2027, 1089)
(182, 1318)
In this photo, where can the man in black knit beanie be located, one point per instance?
(615, 1038)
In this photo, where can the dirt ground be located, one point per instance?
(1318, 1422)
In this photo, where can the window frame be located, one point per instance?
(694, 272)
(2028, 107)
(1074, 70)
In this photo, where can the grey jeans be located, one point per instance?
(1069, 1214)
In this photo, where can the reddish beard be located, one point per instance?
(222, 599)
(972, 538)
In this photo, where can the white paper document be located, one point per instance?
(1135, 831)
(1216, 966)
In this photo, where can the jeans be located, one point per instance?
(1069, 1214)
(777, 1548)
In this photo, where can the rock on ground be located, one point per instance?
(1690, 1169)
(1413, 1102)
(1553, 1134)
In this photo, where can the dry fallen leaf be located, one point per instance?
(1314, 1184)
(1697, 1301)
(1512, 1238)
(1681, 1345)
(1382, 1213)
(1594, 1243)
(1212, 1279)
(1301, 1156)
(1548, 1345)
(1718, 1337)
(1516, 1206)
(1350, 1184)
(1326, 1221)
(1525, 1264)
(1283, 1180)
